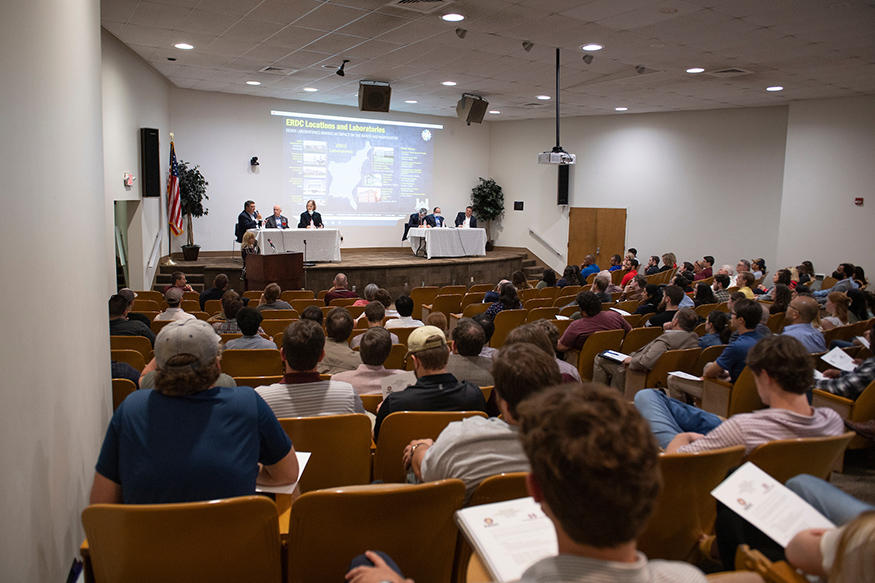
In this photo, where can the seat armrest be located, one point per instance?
(715, 396)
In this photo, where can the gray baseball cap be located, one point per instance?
(191, 337)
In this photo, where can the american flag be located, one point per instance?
(174, 212)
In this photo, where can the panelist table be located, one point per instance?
(322, 244)
(448, 242)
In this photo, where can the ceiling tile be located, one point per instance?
(157, 15)
(602, 9)
(372, 25)
(335, 43)
(207, 22)
(294, 37)
(249, 29)
(283, 11)
(231, 7)
(266, 52)
(117, 11)
(329, 17)
(228, 47)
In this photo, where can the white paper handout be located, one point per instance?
(397, 383)
(768, 504)
(863, 341)
(621, 312)
(683, 375)
(303, 458)
(839, 359)
(509, 536)
(614, 355)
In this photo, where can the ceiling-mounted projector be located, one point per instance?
(561, 157)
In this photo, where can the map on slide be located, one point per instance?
(357, 171)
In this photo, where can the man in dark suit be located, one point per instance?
(416, 220)
(310, 219)
(435, 219)
(248, 219)
(466, 220)
(277, 220)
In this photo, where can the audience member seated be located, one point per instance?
(476, 448)
(592, 320)
(672, 296)
(507, 300)
(744, 281)
(147, 376)
(630, 266)
(131, 295)
(338, 290)
(270, 299)
(120, 325)
(707, 268)
(704, 295)
(366, 379)
(465, 362)
(339, 357)
(230, 309)
(548, 279)
(837, 307)
(178, 279)
(249, 322)
(438, 320)
(782, 297)
(652, 300)
(173, 297)
(744, 318)
(635, 290)
(313, 313)
(122, 370)
(367, 295)
(727, 270)
(492, 295)
(220, 284)
(849, 384)
(616, 263)
(758, 267)
(783, 370)
(805, 276)
(860, 277)
(435, 388)
(781, 276)
(600, 287)
(680, 280)
(717, 330)
(404, 307)
(519, 281)
(375, 312)
(302, 393)
(652, 267)
(488, 329)
(679, 335)
(742, 266)
(588, 268)
(669, 261)
(189, 439)
(858, 309)
(543, 335)
(721, 285)
(797, 323)
(842, 555)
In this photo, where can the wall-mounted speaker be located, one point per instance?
(562, 198)
(150, 165)
(471, 108)
(374, 96)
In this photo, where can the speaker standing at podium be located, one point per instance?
(310, 219)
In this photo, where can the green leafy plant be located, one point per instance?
(487, 200)
(192, 193)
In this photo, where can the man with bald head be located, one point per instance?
(277, 220)
(800, 313)
(338, 290)
(589, 267)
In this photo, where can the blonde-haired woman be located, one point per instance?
(249, 246)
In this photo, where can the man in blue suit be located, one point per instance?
(466, 220)
(435, 219)
(248, 219)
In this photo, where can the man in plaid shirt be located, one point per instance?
(849, 384)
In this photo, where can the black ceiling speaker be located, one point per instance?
(471, 108)
(374, 96)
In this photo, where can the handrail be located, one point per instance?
(545, 243)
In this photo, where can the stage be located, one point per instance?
(397, 270)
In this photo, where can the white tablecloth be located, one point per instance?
(448, 242)
(322, 244)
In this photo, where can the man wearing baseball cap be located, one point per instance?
(435, 388)
(189, 440)
(173, 297)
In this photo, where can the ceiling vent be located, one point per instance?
(730, 72)
(421, 6)
(277, 70)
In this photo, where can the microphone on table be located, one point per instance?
(271, 245)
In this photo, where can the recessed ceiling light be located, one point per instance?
(411, 101)
(621, 109)
(310, 89)
(695, 70)
(253, 82)
(449, 83)
(775, 88)
(543, 97)
(183, 46)
(592, 47)
(494, 111)
(453, 17)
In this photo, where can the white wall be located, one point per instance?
(694, 183)
(221, 132)
(830, 162)
(135, 96)
(55, 391)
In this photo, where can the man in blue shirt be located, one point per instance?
(589, 267)
(800, 313)
(743, 318)
(844, 273)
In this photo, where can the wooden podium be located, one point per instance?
(285, 269)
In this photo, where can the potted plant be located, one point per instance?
(487, 200)
(192, 192)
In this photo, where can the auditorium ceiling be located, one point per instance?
(812, 48)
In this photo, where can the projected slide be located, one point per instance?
(359, 171)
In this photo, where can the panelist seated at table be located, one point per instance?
(248, 219)
(416, 220)
(466, 219)
(310, 219)
(276, 220)
(435, 219)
